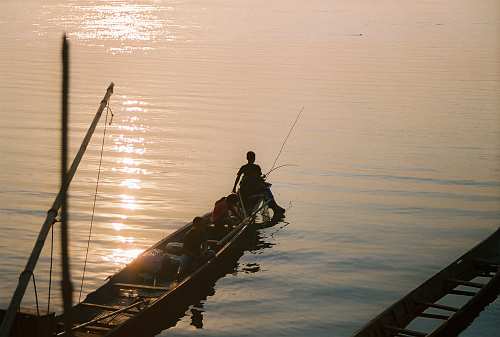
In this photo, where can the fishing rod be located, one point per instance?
(284, 141)
(277, 167)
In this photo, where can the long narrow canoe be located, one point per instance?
(132, 297)
(447, 303)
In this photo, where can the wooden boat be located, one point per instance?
(129, 296)
(134, 296)
(472, 281)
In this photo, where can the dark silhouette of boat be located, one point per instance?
(472, 281)
(140, 300)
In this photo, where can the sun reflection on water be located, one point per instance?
(122, 256)
(124, 239)
(122, 139)
(128, 202)
(129, 146)
(122, 21)
(130, 170)
(129, 149)
(128, 161)
(118, 226)
(133, 184)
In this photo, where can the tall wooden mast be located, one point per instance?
(50, 219)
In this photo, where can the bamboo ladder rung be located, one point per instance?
(462, 292)
(467, 283)
(405, 331)
(439, 306)
(487, 267)
(434, 316)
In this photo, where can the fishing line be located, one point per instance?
(286, 138)
(278, 167)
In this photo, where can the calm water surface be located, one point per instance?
(397, 151)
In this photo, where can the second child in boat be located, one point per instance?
(226, 211)
(194, 247)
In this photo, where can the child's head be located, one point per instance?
(198, 222)
(251, 157)
(232, 199)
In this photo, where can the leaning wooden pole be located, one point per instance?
(66, 285)
(50, 219)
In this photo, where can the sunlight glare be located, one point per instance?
(122, 256)
(133, 184)
(128, 202)
(118, 226)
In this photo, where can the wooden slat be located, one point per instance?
(467, 283)
(488, 267)
(485, 274)
(95, 320)
(405, 331)
(434, 316)
(461, 292)
(97, 328)
(139, 286)
(439, 306)
(104, 307)
(100, 327)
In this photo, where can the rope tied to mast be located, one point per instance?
(108, 111)
(51, 263)
(30, 272)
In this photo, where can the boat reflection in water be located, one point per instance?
(193, 302)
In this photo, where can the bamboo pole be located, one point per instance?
(25, 275)
(66, 285)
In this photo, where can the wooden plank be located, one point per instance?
(487, 267)
(434, 316)
(87, 334)
(461, 292)
(485, 274)
(98, 328)
(104, 307)
(95, 320)
(405, 331)
(467, 283)
(439, 306)
(139, 286)
(461, 319)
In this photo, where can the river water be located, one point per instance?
(396, 156)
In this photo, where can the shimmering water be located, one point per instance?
(397, 149)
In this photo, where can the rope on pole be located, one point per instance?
(50, 270)
(36, 295)
(95, 199)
